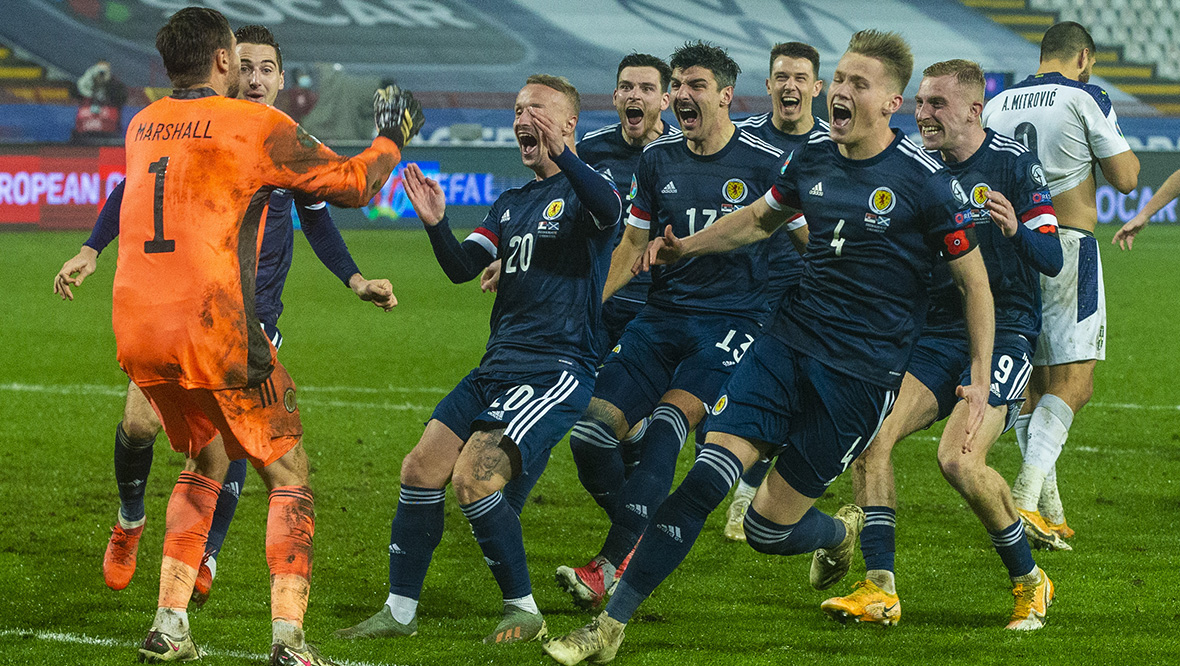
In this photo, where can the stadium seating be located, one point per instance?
(1138, 40)
(25, 81)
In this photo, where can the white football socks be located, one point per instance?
(882, 578)
(1021, 430)
(171, 621)
(1047, 431)
(403, 609)
(524, 603)
(1050, 502)
(286, 633)
(744, 490)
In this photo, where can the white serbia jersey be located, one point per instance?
(1065, 123)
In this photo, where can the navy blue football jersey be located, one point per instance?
(877, 227)
(675, 186)
(274, 257)
(555, 259)
(786, 266)
(1004, 165)
(606, 150)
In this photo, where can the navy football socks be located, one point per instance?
(133, 463)
(415, 533)
(1013, 549)
(600, 465)
(227, 504)
(649, 483)
(814, 530)
(497, 529)
(517, 491)
(674, 528)
(878, 540)
(755, 475)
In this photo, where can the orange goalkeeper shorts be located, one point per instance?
(259, 423)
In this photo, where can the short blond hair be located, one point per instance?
(967, 72)
(890, 49)
(561, 85)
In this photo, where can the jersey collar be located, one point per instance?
(193, 93)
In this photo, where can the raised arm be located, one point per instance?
(1125, 237)
(298, 161)
(1034, 238)
(970, 276)
(460, 261)
(595, 191)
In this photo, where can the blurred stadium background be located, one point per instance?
(466, 60)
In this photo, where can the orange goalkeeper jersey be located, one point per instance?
(200, 169)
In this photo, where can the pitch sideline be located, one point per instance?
(81, 639)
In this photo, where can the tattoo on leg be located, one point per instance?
(490, 459)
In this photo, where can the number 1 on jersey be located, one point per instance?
(159, 244)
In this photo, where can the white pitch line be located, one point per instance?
(1127, 405)
(119, 391)
(80, 639)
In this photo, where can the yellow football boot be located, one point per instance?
(866, 603)
(1032, 601)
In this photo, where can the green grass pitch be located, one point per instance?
(369, 379)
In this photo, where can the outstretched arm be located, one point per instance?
(330, 249)
(751, 224)
(83, 264)
(1125, 237)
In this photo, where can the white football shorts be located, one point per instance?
(1073, 304)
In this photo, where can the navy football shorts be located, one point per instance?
(1011, 367)
(663, 350)
(536, 410)
(938, 362)
(816, 420)
(616, 314)
(272, 334)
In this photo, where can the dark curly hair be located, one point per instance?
(713, 58)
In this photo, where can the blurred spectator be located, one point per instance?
(301, 99)
(102, 97)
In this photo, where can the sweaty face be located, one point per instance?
(639, 99)
(944, 112)
(697, 102)
(860, 97)
(261, 79)
(542, 99)
(791, 86)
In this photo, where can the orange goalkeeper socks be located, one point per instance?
(190, 512)
(290, 525)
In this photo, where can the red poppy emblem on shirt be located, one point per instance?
(956, 243)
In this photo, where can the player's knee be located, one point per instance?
(956, 468)
(875, 459)
(611, 417)
(420, 472)
(470, 488)
(140, 430)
